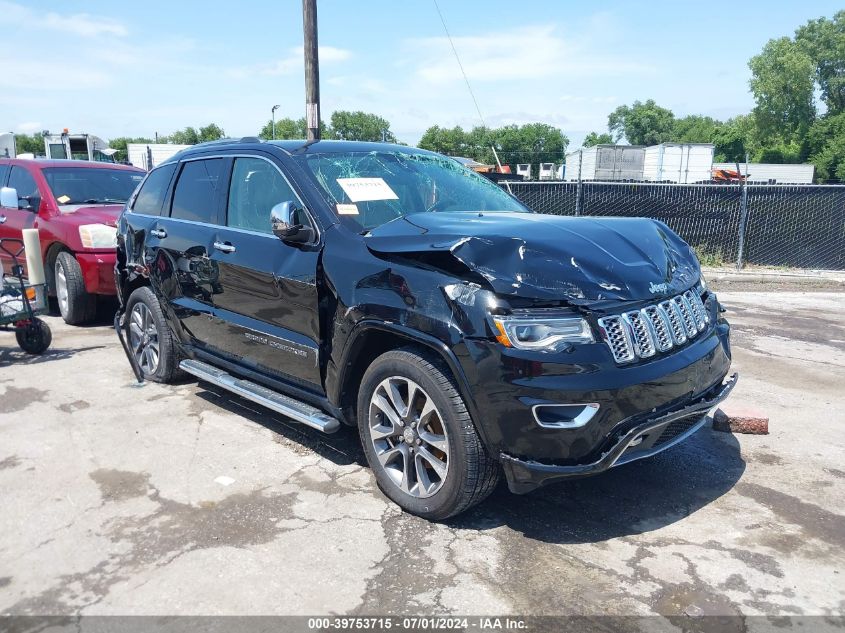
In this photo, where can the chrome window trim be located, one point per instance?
(315, 225)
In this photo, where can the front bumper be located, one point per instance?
(644, 440)
(98, 272)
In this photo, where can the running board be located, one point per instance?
(294, 409)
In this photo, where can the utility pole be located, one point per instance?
(312, 69)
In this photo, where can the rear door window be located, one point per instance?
(150, 198)
(196, 195)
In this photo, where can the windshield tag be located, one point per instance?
(62, 199)
(347, 209)
(367, 189)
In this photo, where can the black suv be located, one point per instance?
(393, 289)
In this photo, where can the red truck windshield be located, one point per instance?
(76, 185)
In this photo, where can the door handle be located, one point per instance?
(159, 233)
(224, 247)
(2, 219)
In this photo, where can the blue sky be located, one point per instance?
(136, 68)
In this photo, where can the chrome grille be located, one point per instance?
(640, 333)
(699, 313)
(618, 339)
(660, 327)
(676, 322)
(686, 315)
(655, 328)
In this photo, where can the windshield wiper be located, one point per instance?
(103, 201)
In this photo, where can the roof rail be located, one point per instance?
(220, 141)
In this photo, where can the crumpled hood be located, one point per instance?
(92, 214)
(537, 256)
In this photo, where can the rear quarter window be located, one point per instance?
(150, 198)
(4, 171)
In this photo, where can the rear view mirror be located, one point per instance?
(9, 198)
(286, 222)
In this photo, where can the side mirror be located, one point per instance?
(286, 223)
(9, 198)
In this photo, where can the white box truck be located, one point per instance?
(140, 154)
(606, 162)
(77, 147)
(684, 163)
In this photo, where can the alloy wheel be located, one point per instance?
(409, 436)
(143, 337)
(61, 289)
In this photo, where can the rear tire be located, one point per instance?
(76, 305)
(419, 438)
(150, 339)
(34, 338)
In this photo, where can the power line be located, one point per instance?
(460, 65)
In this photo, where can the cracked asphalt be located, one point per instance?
(119, 499)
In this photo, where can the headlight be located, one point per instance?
(702, 284)
(98, 236)
(542, 333)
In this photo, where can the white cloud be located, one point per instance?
(85, 25)
(80, 24)
(292, 63)
(527, 52)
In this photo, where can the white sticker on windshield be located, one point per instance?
(62, 199)
(367, 189)
(347, 209)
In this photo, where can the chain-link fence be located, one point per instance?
(774, 225)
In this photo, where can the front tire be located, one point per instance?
(150, 339)
(419, 438)
(77, 305)
(34, 338)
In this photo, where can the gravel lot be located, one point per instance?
(119, 499)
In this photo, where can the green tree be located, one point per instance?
(529, 143)
(642, 123)
(450, 141)
(286, 128)
(823, 40)
(695, 129)
(782, 84)
(360, 126)
(29, 144)
(120, 144)
(734, 138)
(188, 136)
(210, 132)
(825, 144)
(593, 138)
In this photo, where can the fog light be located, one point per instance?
(564, 416)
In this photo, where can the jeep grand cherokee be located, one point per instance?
(392, 289)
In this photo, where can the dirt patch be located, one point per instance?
(815, 521)
(171, 530)
(76, 405)
(19, 398)
(9, 462)
(120, 485)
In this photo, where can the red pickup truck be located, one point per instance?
(74, 204)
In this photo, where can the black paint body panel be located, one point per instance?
(296, 317)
